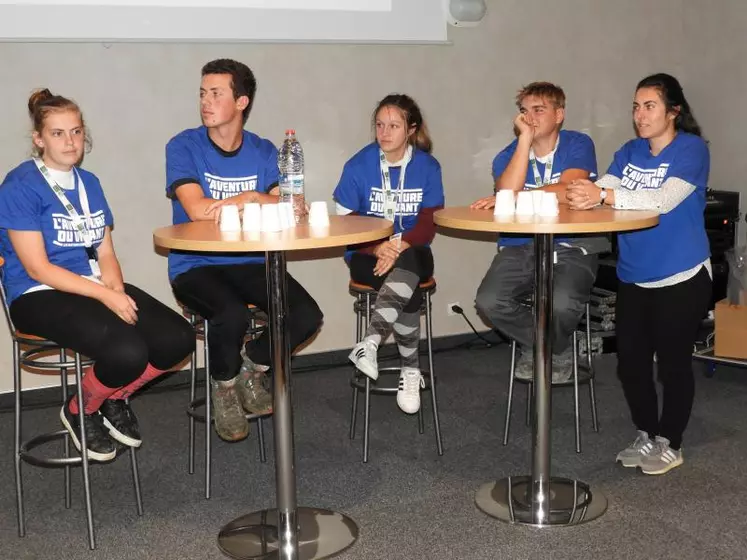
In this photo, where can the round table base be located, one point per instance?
(322, 534)
(571, 502)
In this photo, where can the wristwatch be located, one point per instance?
(602, 195)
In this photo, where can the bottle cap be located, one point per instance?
(290, 131)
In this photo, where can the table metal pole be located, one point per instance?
(543, 284)
(286, 532)
(541, 499)
(285, 465)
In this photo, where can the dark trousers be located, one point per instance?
(160, 337)
(418, 260)
(221, 293)
(664, 321)
(509, 284)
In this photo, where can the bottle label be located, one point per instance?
(286, 188)
(296, 182)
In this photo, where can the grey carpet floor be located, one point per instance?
(407, 501)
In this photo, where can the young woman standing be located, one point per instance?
(664, 272)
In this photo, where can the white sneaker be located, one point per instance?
(365, 359)
(408, 394)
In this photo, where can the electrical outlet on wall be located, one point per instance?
(450, 308)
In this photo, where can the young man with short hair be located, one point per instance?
(206, 167)
(542, 157)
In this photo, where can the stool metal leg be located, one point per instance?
(208, 412)
(366, 418)
(66, 440)
(421, 420)
(575, 392)
(261, 436)
(192, 390)
(84, 453)
(593, 399)
(17, 437)
(136, 481)
(358, 336)
(530, 394)
(136, 478)
(434, 399)
(367, 411)
(509, 400)
(353, 411)
(590, 365)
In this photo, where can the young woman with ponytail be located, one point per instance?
(396, 178)
(664, 272)
(63, 281)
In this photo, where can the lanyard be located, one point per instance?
(538, 181)
(390, 206)
(83, 227)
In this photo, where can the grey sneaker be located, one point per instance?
(251, 388)
(230, 421)
(524, 368)
(662, 458)
(632, 455)
(364, 356)
(562, 366)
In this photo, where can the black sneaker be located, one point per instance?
(100, 446)
(121, 422)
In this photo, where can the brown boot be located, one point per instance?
(230, 421)
(252, 393)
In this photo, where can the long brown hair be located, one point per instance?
(412, 115)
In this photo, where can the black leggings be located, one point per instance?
(664, 321)
(418, 260)
(221, 294)
(121, 351)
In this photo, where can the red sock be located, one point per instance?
(149, 374)
(93, 391)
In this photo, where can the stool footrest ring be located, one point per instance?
(358, 381)
(26, 455)
(200, 402)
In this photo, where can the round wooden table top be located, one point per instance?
(205, 236)
(597, 220)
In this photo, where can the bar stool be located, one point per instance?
(363, 305)
(586, 377)
(200, 326)
(36, 356)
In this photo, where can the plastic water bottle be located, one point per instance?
(290, 164)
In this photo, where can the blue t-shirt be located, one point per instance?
(27, 203)
(679, 242)
(575, 151)
(360, 187)
(191, 157)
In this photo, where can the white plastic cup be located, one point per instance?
(229, 218)
(319, 214)
(270, 218)
(252, 217)
(537, 197)
(524, 203)
(549, 205)
(505, 205)
(285, 213)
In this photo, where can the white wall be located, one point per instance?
(136, 96)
